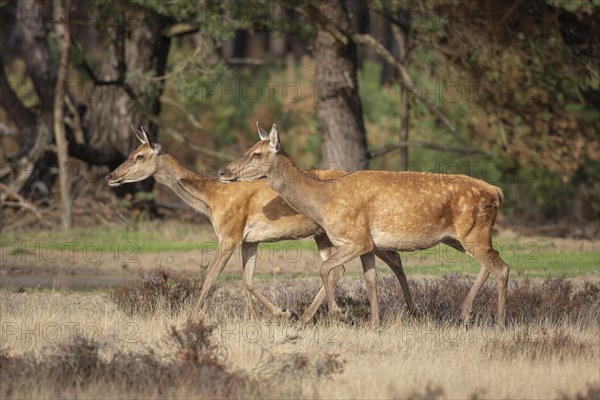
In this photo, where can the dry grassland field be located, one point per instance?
(98, 314)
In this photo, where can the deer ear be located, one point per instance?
(261, 132)
(139, 135)
(274, 139)
(153, 143)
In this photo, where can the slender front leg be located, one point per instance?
(368, 263)
(393, 260)
(344, 254)
(249, 261)
(467, 305)
(217, 264)
(325, 250)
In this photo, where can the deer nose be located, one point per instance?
(108, 177)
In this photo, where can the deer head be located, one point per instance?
(258, 162)
(141, 163)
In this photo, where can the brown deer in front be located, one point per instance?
(403, 211)
(242, 214)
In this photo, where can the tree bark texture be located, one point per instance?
(112, 110)
(338, 107)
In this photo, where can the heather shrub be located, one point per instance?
(553, 300)
(592, 392)
(73, 368)
(298, 365)
(538, 343)
(159, 289)
(294, 295)
(438, 299)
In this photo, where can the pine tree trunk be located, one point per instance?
(338, 106)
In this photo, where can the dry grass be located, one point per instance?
(82, 345)
(76, 368)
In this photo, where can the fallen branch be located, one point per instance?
(23, 202)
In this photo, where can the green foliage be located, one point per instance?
(379, 103)
(179, 10)
(575, 5)
(539, 55)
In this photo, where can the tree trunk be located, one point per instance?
(110, 111)
(113, 111)
(24, 36)
(338, 106)
(62, 146)
(402, 36)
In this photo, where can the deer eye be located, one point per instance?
(255, 155)
(139, 157)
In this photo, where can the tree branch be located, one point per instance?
(369, 40)
(188, 115)
(365, 39)
(74, 121)
(181, 29)
(22, 202)
(316, 16)
(182, 139)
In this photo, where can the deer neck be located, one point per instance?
(301, 191)
(171, 172)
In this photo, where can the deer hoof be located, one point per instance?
(349, 320)
(467, 318)
(292, 316)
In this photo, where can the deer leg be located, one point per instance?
(217, 264)
(491, 261)
(325, 250)
(467, 305)
(249, 262)
(368, 263)
(394, 261)
(343, 254)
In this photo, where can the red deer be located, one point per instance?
(242, 214)
(402, 211)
